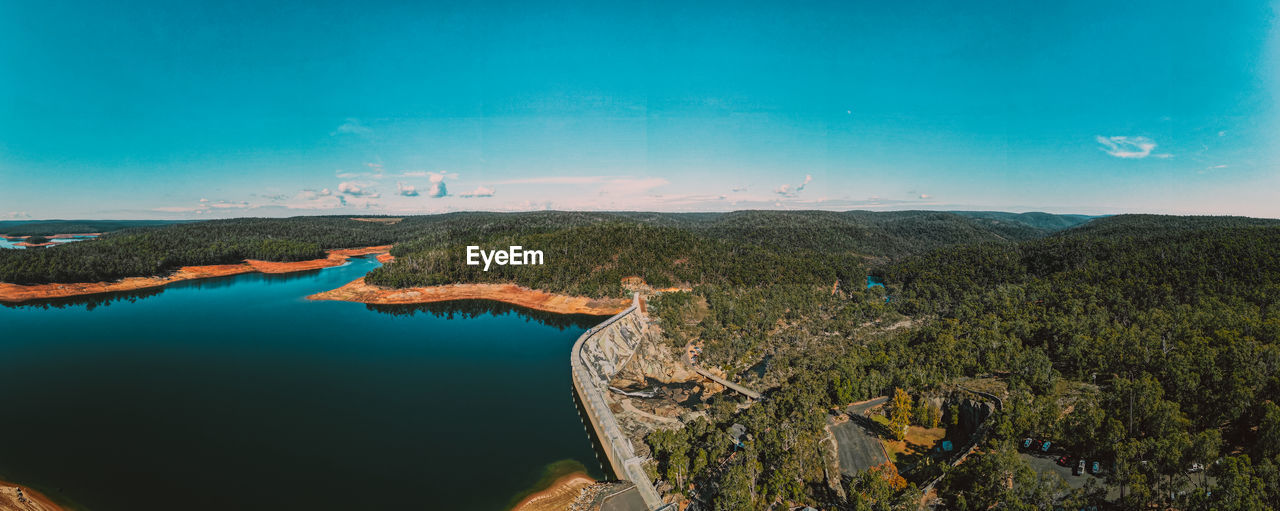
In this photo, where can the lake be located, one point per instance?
(238, 393)
(5, 243)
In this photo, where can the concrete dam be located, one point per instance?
(596, 357)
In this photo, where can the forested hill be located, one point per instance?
(878, 233)
(592, 260)
(1044, 221)
(50, 227)
(1142, 226)
(152, 250)
(1179, 313)
(590, 252)
(1149, 343)
(1144, 258)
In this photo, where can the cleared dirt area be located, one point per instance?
(917, 444)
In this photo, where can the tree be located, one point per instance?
(900, 414)
(1237, 487)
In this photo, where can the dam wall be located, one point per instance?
(596, 357)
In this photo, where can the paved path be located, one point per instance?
(629, 500)
(626, 405)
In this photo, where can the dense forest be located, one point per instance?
(1150, 343)
(51, 227)
(134, 248)
(146, 251)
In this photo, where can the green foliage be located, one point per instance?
(926, 414)
(998, 478)
(899, 414)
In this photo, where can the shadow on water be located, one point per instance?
(89, 302)
(606, 469)
(467, 309)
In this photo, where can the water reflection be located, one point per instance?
(467, 309)
(89, 302)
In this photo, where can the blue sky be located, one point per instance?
(197, 110)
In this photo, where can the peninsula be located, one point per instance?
(363, 292)
(21, 293)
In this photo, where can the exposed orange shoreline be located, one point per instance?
(20, 293)
(558, 496)
(359, 291)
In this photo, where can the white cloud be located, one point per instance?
(793, 190)
(356, 190)
(630, 185)
(351, 127)
(424, 173)
(17, 215)
(406, 190)
(310, 194)
(925, 196)
(438, 189)
(555, 180)
(480, 191)
(375, 173)
(1209, 169)
(1129, 147)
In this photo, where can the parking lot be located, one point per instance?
(1048, 464)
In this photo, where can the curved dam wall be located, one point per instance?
(596, 357)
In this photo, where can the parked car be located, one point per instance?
(1026, 443)
(1045, 446)
(1079, 468)
(1064, 461)
(1096, 468)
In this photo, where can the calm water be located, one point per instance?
(4, 243)
(237, 393)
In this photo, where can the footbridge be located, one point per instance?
(739, 388)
